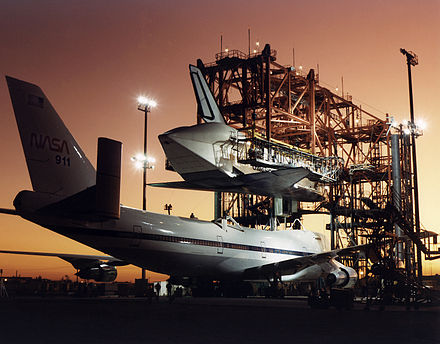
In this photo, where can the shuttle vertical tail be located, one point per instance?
(55, 161)
(205, 100)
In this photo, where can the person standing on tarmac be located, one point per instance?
(169, 292)
(169, 287)
(157, 287)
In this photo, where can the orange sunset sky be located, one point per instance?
(92, 58)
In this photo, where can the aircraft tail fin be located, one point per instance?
(55, 161)
(208, 108)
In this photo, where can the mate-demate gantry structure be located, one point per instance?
(372, 198)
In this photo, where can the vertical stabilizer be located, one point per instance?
(108, 178)
(55, 161)
(205, 100)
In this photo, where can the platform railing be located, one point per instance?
(239, 54)
(262, 153)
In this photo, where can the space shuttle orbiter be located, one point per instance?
(216, 157)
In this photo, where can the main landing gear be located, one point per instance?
(322, 297)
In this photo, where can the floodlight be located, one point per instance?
(142, 100)
(145, 104)
(421, 124)
(143, 162)
(411, 57)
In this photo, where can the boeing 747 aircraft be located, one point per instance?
(71, 198)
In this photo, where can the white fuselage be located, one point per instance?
(184, 247)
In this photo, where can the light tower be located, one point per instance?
(412, 60)
(145, 105)
(143, 161)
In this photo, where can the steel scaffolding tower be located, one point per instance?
(281, 104)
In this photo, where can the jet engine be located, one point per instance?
(343, 277)
(101, 273)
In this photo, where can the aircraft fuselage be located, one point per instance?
(183, 246)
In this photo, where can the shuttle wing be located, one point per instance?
(273, 183)
(202, 186)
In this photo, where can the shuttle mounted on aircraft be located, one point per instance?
(214, 156)
(73, 199)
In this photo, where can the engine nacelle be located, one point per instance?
(343, 277)
(101, 273)
(310, 273)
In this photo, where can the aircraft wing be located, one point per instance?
(79, 261)
(295, 264)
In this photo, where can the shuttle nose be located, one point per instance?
(183, 133)
(207, 133)
(165, 138)
(193, 150)
(176, 131)
(176, 135)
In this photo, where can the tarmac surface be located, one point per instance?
(209, 320)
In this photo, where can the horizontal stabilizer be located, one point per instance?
(8, 211)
